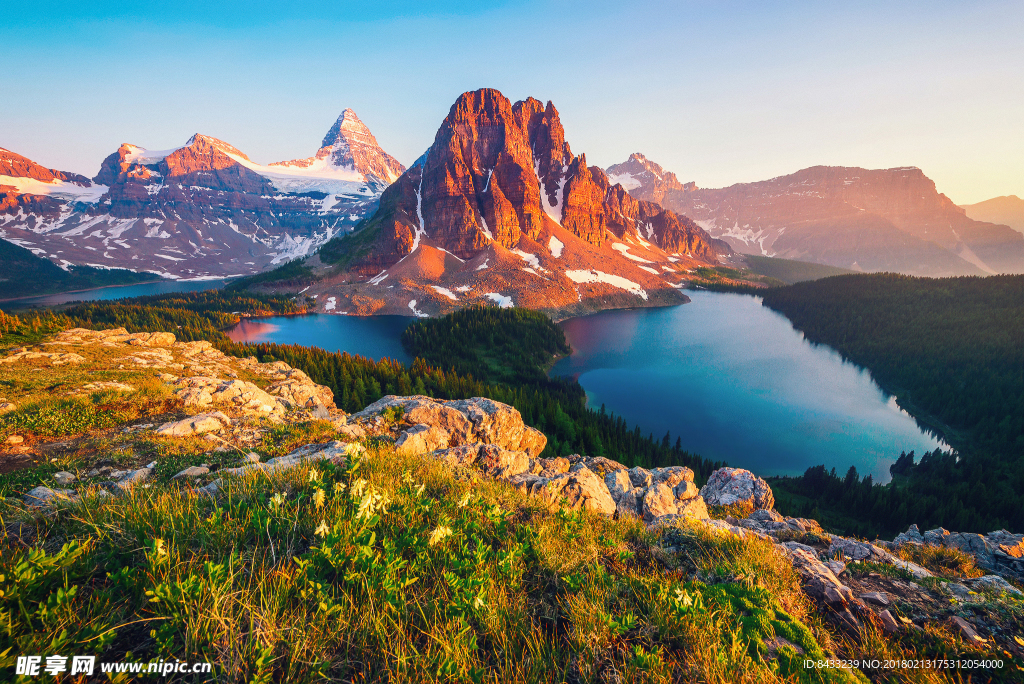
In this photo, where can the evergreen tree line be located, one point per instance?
(952, 352)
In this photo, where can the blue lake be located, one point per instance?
(116, 292)
(374, 337)
(739, 384)
(729, 376)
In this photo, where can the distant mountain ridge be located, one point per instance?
(1007, 210)
(867, 220)
(203, 209)
(499, 209)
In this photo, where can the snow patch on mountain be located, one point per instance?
(595, 276)
(58, 189)
(624, 251)
(502, 301)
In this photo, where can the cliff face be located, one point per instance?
(202, 209)
(871, 220)
(499, 193)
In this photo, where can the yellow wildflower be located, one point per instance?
(439, 535)
(318, 498)
(322, 530)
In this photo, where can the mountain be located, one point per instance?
(349, 147)
(644, 179)
(499, 209)
(867, 220)
(1007, 210)
(203, 209)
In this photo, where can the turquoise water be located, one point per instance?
(116, 292)
(739, 384)
(375, 337)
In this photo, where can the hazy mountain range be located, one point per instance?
(867, 220)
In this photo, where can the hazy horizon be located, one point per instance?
(718, 94)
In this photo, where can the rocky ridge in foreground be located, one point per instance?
(234, 404)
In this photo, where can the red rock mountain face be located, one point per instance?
(499, 209)
(499, 171)
(199, 210)
(16, 166)
(871, 220)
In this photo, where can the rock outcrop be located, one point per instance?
(735, 486)
(1000, 551)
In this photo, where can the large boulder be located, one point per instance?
(501, 425)
(579, 489)
(730, 486)
(421, 439)
(195, 425)
(659, 500)
(465, 421)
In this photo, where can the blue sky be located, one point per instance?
(718, 92)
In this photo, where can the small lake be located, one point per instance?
(739, 384)
(115, 292)
(374, 337)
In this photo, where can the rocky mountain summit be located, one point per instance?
(499, 209)
(350, 145)
(867, 220)
(646, 180)
(242, 422)
(199, 210)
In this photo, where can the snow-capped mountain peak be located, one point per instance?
(350, 145)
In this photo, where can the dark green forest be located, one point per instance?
(23, 274)
(952, 352)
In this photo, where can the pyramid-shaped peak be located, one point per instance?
(347, 129)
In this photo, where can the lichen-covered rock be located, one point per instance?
(694, 508)
(477, 420)
(640, 477)
(672, 475)
(580, 489)
(501, 462)
(195, 425)
(55, 358)
(421, 439)
(44, 497)
(618, 484)
(501, 425)
(191, 471)
(729, 486)
(659, 500)
(131, 480)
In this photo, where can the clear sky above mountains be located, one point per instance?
(719, 92)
